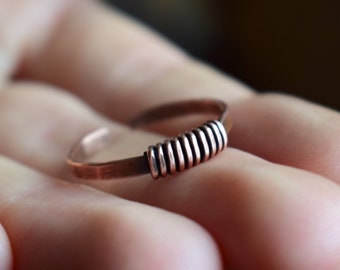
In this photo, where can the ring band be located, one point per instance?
(173, 155)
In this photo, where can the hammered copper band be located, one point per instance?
(173, 155)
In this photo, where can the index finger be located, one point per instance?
(112, 62)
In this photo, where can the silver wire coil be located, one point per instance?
(187, 150)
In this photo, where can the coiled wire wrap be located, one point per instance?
(187, 150)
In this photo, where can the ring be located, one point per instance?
(174, 155)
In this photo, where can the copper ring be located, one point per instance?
(173, 155)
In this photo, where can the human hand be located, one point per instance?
(270, 201)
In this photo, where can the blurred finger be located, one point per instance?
(36, 119)
(52, 224)
(265, 216)
(113, 63)
(289, 131)
(18, 22)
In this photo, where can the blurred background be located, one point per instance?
(284, 45)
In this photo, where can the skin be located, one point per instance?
(270, 201)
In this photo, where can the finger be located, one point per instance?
(18, 20)
(39, 123)
(112, 62)
(56, 225)
(260, 127)
(43, 123)
(265, 216)
(289, 131)
(5, 251)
